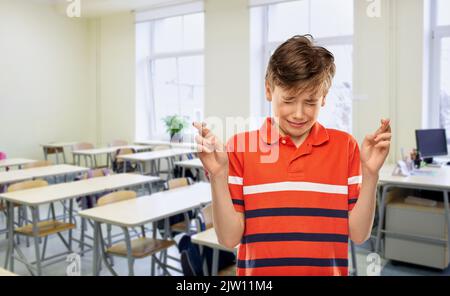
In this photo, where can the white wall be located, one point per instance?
(44, 90)
(389, 76)
(64, 79)
(227, 63)
(143, 105)
(117, 77)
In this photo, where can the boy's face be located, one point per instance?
(295, 114)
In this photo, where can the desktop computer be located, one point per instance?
(431, 143)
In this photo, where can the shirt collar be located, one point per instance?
(270, 134)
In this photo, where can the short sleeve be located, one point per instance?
(235, 175)
(354, 174)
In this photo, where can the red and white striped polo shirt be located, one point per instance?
(296, 208)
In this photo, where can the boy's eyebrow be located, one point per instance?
(289, 98)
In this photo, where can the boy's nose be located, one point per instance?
(298, 111)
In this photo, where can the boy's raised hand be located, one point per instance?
(212, 152)
(375, 148)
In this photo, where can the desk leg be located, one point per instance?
(447, 216)
(149, 186)
(153, 168)
(153, 257)
(215, 262)
(204, 261)
(124, 166)
(10, 251)
(354, 263)
(381, 208)
(83, 226)
(70, 221)
(64, 156)
(34, 211)
(141, 168)
(129, 252)
(169, 168)
(96, 262)
(45, 153)
(167, 234)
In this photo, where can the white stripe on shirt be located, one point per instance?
(355, 180)
(295, 186)
(235, 180)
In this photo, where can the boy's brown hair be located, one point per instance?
(299, 65)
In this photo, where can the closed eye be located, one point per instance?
(312, 103)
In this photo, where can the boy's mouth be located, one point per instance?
(296, 124)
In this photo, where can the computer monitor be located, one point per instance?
(431, 142)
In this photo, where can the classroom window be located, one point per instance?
(331, 24)
(175, 71)
(443, 13)
(440, 66)
(445, 84)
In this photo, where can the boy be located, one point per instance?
(294, 215)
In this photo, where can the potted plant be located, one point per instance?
(174, 126)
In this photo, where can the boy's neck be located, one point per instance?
(298, 141)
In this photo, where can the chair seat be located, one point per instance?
(51, 150)
(179, 227)
(228, 271)
(45, 228)
(141, 247)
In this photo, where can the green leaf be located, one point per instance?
(174, 124)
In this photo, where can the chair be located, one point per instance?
(184, 225)
(179, 182)
(22, 213)
(141, 247)
(84, 146)
(197, 260)
(205, 222)
(38, 164)
(205, 219)
(87, 202)
(156, 164)
(114, 143)
(118, 143)
(41, 164)
(56, 151)
(118, 164)
(44, 228)
(177, 223)
(94, 173)
(27, 185)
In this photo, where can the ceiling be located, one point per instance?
(95, 8)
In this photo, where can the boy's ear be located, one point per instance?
(268, 92)
(324, 100)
